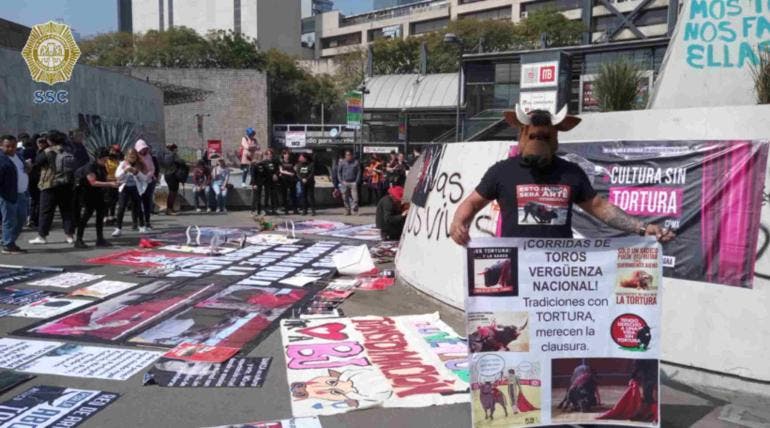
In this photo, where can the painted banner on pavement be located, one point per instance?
(338, 365)
(53, 406)
(575, 340)
(708, 192)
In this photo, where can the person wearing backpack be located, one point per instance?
(90, 184)
(170, 165)
(57, 168)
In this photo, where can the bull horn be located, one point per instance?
(525, 325)
(523, 117)
(560, 116)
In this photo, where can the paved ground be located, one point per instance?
(153, 406)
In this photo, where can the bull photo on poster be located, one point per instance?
(493, 271)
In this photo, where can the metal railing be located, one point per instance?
(394, 12)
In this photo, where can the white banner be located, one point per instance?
(564, 331)
(15, 352)
(338, 365)
(103, 289)
(49, 307)
(66, 280)
(91, 362)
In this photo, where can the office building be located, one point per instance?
(274, 24)
(384, 4)
(125, 23)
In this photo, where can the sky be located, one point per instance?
(89, 17)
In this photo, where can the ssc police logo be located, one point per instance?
(51, 53)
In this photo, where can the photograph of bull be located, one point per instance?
(629, 388)
(536, 163)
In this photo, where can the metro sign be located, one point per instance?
(539, 75)
(548, 74)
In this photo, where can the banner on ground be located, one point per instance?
(234, 373)
(21, 297)
(10, 379)
(10, 274)
(283, 423)
(53, 406)
(17, 352)
(91, 362)
(49, 307)
(708, 192)
(66, 280)
(564, 331)
(103, 289)
(338, 365)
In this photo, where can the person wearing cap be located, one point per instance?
(391, 215)
(247, 151)
(91, 182)
(151, 171)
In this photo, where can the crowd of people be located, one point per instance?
(45, 172)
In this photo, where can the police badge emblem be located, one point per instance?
(51, 53)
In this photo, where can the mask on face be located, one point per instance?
(535, 161)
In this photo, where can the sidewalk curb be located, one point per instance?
(719, 385)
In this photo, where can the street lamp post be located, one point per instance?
(453, 39)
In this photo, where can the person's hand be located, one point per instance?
(114, 184)
(253, 187)
(661, 234)
(460, 233)
(304, 180)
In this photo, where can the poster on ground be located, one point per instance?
(366, 232)
(66, 280)
(576, 340)
(49, 307)
(10, 379)
(17, 352)
(21, 297)
(91, 362)
(117, 318)
(708, 192)
(142, 258)
(236, 372)
(53, 406)
(344, 364)
(10, 274)
(103, 289)
(283, 423)
(198, 352)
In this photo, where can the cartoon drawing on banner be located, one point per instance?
(638, 276)
(631, 332)
(607, 389)
(505, 390)
(352, 388)
(542, 204)
(498, 331)
(493, 271)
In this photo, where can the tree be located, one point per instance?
(396, 56)
(179, 47)
(559, 30)
(228, 49)
(761, 74)
(617, 86)
(108, 50)
(350, 69)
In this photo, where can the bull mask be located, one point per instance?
(538, 136)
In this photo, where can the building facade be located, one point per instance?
(605, 21)
(274, 24)
(383, 4)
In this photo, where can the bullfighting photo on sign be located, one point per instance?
(493, 272)
(543, 204)
(505, 390)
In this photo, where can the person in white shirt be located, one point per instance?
(133, 181)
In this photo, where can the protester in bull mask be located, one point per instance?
(14, 183)
(537, 166)
(391, 215)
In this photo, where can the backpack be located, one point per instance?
(64, 167)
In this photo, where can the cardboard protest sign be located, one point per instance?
(49, 307)
(53, 406)
(66, 280)
(91, 362)
(344, 364)
(235, 373)
(569, 334)
(103, 289)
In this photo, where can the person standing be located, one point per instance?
(111, 193)
(14, 183)
(91, 182)
(306, 175)
(397, 171)
(349, 175)
(201, 179)
(259, 178)
(77, 147)
(288, 184)
(374, 178)
(34, 178)
(56, 177)
(514, 388)
(151, 171)
(220, 179)
(134, 182)
(173, 169)
(247, 152)
(272, 183)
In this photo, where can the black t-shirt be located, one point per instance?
(534, 203)
(288, 166)
(82, 173)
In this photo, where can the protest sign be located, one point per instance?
(201, 353)
(16, 352)
(142, 258)
(690, 187)
(283, 423)
(103, 289)
(367, 232)
(311, 227)
(66, 280)
(9, 379)
(10, 274)
(16, 297)
(91, 362)
(565, 323)
(49, 307)
(344, 364)
(53, 406)
(235, 373)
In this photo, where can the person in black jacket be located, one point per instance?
(90, 184)
(259, 179)
(306, 175)
(39, 144)
(391, 216)
(272, 181)
(288, 180)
